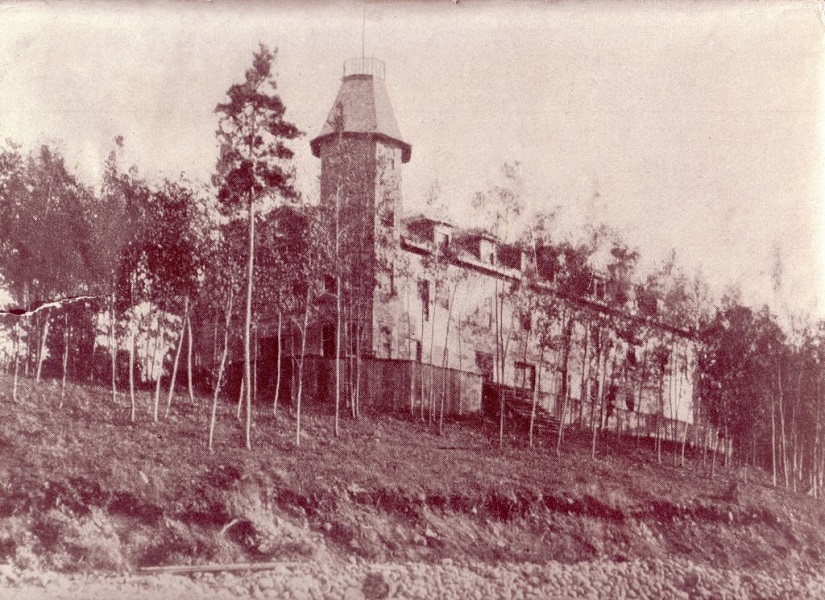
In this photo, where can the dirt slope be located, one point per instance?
(83, 489)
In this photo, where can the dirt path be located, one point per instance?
(358, 580)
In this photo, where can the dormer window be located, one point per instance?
(646, 302)
(598, 288)
(486, 250)
(509, 256)
(442, 241)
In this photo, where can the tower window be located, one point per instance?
(488, 308)
(386, 340)
(485, 363)
(424, 294)
(388, 218)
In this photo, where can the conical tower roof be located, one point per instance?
(363, 107)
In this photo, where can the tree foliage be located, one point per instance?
(253, 134)
(47, 250)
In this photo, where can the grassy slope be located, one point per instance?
(83, 488)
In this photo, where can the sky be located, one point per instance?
(695, 127)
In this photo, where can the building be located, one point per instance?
(424, 311)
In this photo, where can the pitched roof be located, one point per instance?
(365, 106)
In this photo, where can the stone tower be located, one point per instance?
(361, 152)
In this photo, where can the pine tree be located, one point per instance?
(254, 163)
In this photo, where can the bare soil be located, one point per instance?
(83, 489)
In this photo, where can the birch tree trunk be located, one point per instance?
(215, 346)
(597, 422)
(190, 342)
(16, 362)
(536, 395)
(161, 342)
(444, 360)
(715, 447)
(500, 367)
(783, 446)
(420, 363)
(501, 404)
(773, 439)
(217, 391)
(113, 347)
(642, 377)
(92, 358)
(659, 420)
(817, 446)
(301, 370)
(458, 336)
(27, 358)
(255, 363)
(41, 354)
(239, 408)
(175, 365)
(337, 340)
(66, 334)
(151, 348)
(798, 446)
(277, 367)
(672, 392)
(431, 395)
(338, 313)
(359, 350)
(660, 416)
(583, 387)
(594, 405)
(566, 344)
(247, 356)
(132, 372)
(567, 348)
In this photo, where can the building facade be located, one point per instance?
(431, 310)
